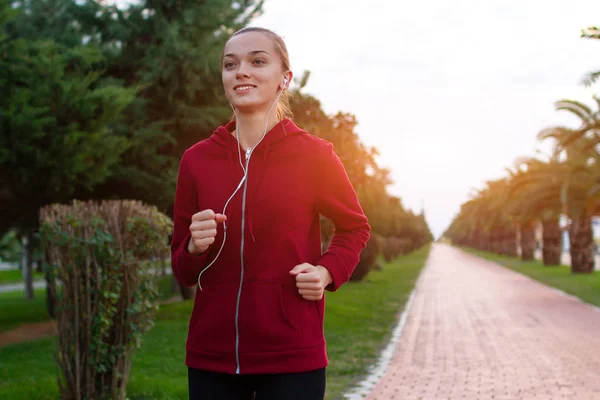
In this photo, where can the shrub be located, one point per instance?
(327, 231)
(406, 245)
(390, 249)
(368, 258)
(395, 246)
(105, 291)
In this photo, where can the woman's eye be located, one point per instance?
(229, 65)
(260, 62)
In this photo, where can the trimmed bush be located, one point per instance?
(394, 247)
(104, 289)
(368, 258)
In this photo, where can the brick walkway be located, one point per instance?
(480, 331)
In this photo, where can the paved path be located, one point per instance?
(480, 331)
(37, 284)
(13, 287)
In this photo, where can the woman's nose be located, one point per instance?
(242, 71)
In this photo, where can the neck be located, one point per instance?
(251, 127)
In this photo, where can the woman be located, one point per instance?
(247, 232)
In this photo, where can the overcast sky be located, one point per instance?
(449, 92)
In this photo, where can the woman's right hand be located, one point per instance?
(203, 229)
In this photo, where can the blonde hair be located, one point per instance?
(283, 104)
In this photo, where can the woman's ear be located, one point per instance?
(287, 79)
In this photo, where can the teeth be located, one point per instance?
(244, 88)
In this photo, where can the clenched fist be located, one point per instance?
(203, 229)
(311, 280)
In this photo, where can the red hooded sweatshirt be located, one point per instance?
(249, 317)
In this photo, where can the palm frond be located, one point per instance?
(578, 108)
(591, 32)
(590, 78)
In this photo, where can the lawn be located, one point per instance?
(359, 319)
(15, 309)
(584, 286)
(14, 276)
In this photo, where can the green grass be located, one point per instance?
(16, 310)
(359, 318)
(584, 286)
(14, 276)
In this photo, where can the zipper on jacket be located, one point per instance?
(237, 306)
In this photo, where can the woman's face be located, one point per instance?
(252, 72)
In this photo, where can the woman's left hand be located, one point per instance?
(311, 280)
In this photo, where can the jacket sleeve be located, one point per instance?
(337, 201)
(186, 267)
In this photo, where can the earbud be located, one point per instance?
(285, 81)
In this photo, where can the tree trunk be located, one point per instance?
(27, 263)
(551, 242)
(510, 242)
(50, 301)
(480, 240)
(51, 298)
(487, 242)
(174, 285)
(581, 240)
(163, 267)
(528, 241)
(494, 247)
(187, 293)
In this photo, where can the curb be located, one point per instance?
(375, 372)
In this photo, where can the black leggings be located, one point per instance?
(205, 385)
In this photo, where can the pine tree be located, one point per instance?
(166, 50)
(172, 49)
(57, 119)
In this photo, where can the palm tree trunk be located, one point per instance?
(528, 241)
(551, 242)
(581, 240)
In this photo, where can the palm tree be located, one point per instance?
(463, 227)
(482, 222)
(534, 195)
(499, 221)
(523, 214)
(591, 32)
(579, 174)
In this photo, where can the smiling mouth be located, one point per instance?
(244, 88)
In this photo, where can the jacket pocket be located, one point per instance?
(264, 322)
(212, 324)
(306, 315)
(276, 318)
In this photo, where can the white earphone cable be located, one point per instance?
(244, 178)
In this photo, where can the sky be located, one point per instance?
(450, 93)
